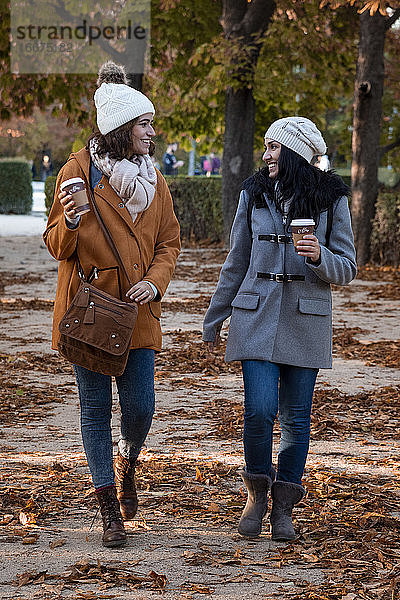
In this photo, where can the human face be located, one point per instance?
(142, 132)
(271, 156)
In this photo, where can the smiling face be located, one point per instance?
(271, 156)
(142, 132)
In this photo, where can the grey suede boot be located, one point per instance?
(284, 496)
(257, 486)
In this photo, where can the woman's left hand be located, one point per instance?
(141, 292)
(309, 247)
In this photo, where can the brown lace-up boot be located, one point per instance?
(113, 528)
(126, 490)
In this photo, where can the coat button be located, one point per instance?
(136, 266)
(100, 186)
(121, 205)
(131, 233)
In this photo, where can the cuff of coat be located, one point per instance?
(153, 287)
(318, 267)
(313, 263)
(157, 296)
(72, 223)
(209, 335)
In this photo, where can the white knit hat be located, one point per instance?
(116, 102)
(299, 134)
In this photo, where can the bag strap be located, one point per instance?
(107, 235)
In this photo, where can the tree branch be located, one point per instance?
(384, 149)
(391, 20)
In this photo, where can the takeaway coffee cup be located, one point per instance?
(77, 188)
(300, 228)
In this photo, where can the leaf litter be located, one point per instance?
(20, 398)
(349, 523)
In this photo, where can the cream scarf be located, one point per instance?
(133, 180)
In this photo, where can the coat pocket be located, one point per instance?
(155, 309)
(246, 300)
(314, 306)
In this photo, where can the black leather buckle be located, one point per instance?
(273, 237)
(281, 277)
(270, 237)
(284, 239)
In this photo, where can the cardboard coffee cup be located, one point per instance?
(300, 228)
(77, 188)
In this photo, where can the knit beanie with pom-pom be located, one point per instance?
(116, 102)
(299, 134)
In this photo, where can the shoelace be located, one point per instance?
(112, 511)
(94, 518)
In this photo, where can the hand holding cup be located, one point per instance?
(305, 242)
(68, 205)
(73, 197)
(309, 247)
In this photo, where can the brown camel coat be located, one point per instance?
(149, 248)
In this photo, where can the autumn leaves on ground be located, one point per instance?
(184, 542)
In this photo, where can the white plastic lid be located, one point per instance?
(71, 181)
(302, 222)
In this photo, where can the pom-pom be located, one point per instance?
(111, 73)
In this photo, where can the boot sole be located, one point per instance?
(283, 539)
(249, 535)
(114, 544)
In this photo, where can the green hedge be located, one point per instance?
(15, 186)
(197, 204)
(49, 188)
(385, 239)
(198, 207)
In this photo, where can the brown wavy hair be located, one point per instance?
(118, 142)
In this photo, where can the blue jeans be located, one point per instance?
(137, 401)
(269, 387)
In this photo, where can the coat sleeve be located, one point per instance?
(61, 241)
(167, 246)
(232, 273)
(338, 262)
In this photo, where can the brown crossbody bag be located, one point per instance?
(96, 330)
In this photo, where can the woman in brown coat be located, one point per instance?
(136, 206)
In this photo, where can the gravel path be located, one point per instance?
(184, 541)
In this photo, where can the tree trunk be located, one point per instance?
(237, 158)
(366, 129)
(135, 80)
(241, 21)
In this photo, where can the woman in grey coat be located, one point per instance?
(279, 301)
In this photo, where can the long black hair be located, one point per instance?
(309, 190)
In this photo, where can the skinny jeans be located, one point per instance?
(270, 388)
(137, 401)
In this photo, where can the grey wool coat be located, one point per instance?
(286, 322)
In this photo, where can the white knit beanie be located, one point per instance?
(299, 134)
(116, 102)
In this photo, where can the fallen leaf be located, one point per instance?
(57, 543)
(30, 539)
(27, 518)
